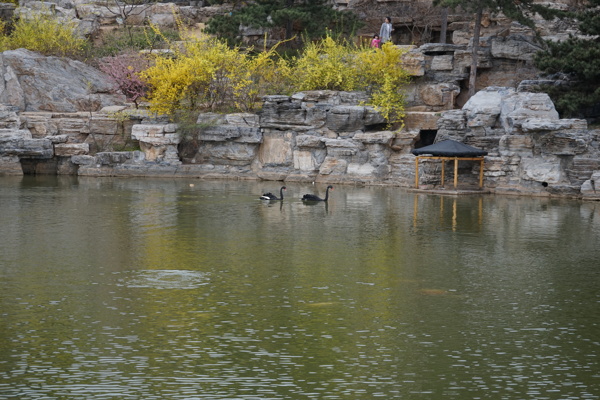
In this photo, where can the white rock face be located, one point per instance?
(484, 108)
(541, 170)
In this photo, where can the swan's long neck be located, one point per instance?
(326, 195)
(281, 193)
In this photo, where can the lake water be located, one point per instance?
(184, 289)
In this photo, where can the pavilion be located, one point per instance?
(448, 150)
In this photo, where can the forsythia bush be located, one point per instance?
(206, 74)
(44, 33)
(383, 77)
(334, 65)
(327, 64)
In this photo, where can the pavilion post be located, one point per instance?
(417, 172)
(455, 172)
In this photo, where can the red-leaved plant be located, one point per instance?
(125, 71)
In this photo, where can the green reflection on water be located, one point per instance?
(185, 289)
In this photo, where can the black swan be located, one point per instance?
(271, 196)
(312, 197)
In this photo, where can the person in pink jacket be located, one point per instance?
(376, 42)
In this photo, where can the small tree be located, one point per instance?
(125, 70)
(125, 10)
(516, 10)
(335, 65)
(325, 65)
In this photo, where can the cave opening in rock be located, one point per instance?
(426, 138)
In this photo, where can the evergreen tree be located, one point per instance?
(579, 59)
(312, 18)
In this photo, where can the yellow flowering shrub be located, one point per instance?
(326, 65)
(383, 77)
(44, 33)
(204, 73)
(339, 66)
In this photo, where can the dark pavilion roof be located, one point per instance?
(449, 148)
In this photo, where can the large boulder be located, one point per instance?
(33, 82)
(485, 106)
(515, 112)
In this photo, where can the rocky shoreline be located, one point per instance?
(319, 136)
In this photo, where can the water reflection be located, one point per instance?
(154, 289)
(475, 204)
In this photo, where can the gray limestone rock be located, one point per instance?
(71, 149)
(373, 117)
(382, 137)
(484, 108)
(531, 125)
(221, 133)
(83, 159)
(232, 153)
(309, 141)
(442, 63)
(439, 95)
(34, 148)
(522, 106)
(346, 118)
(56, 139)
(116, 157)
(32, 82)
(9, 119)
(20, 143)
(562, 143)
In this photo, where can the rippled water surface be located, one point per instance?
(183, 289)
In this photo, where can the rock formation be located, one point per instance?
(32, 82)
(318, 136)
